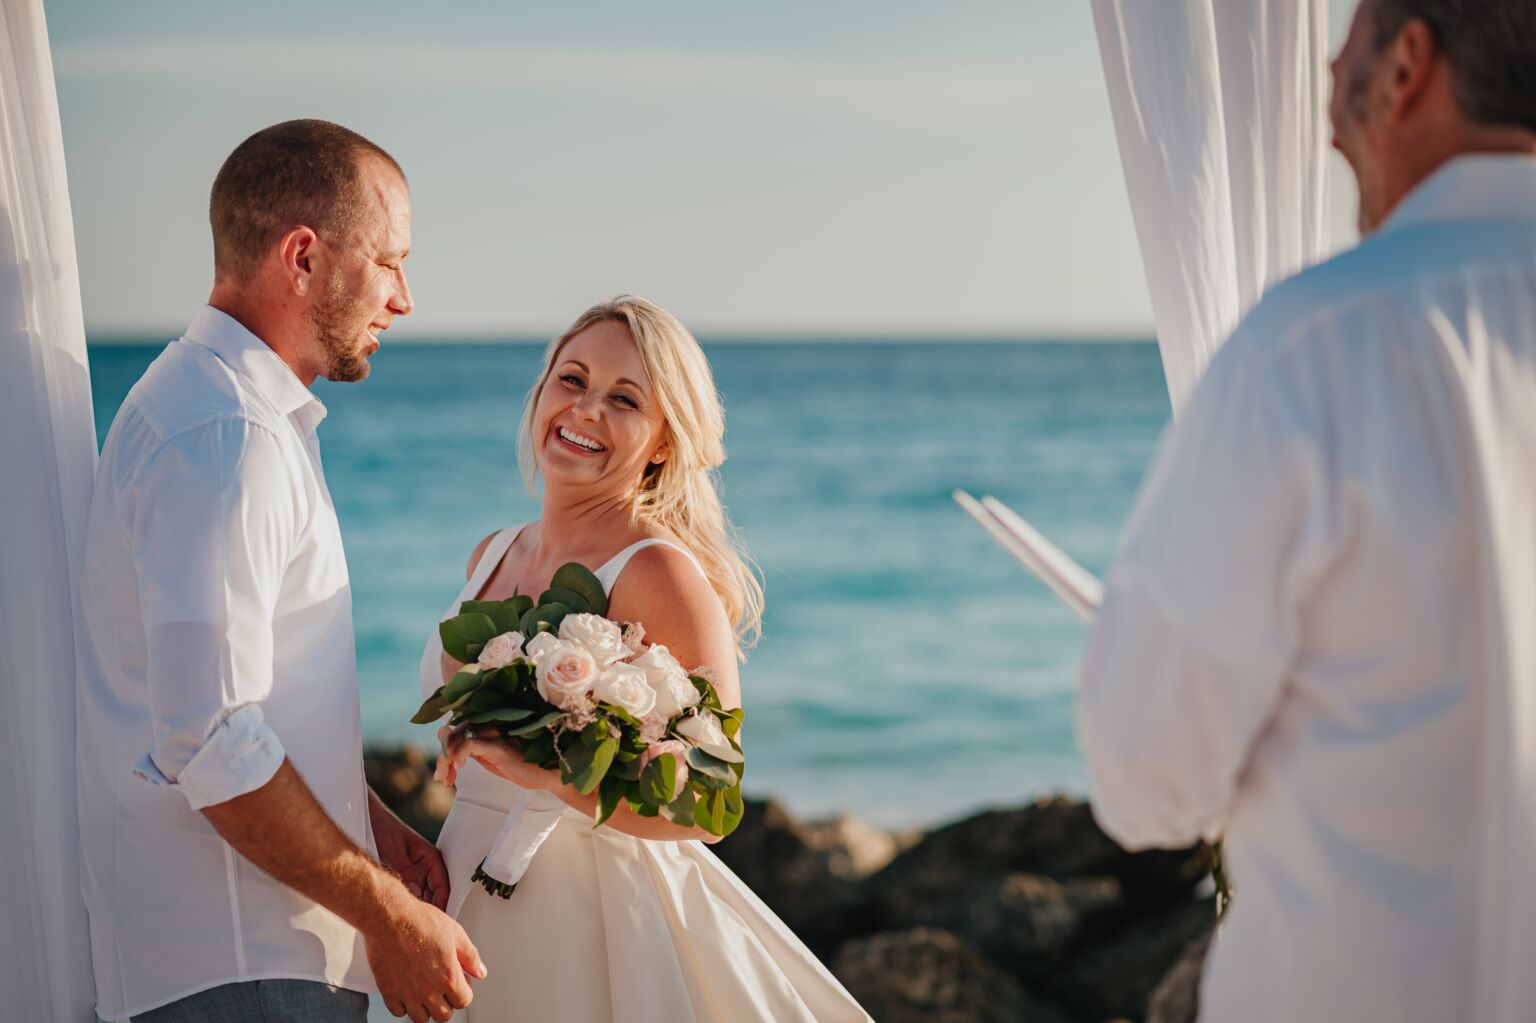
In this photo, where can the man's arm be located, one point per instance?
(419, 956)
(1202, 613)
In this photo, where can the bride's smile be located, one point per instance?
(599, 424)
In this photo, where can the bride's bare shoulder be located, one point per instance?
(479, 552)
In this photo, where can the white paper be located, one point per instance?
(1079, 588)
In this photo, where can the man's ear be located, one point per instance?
(1411, 61)
(299, 252)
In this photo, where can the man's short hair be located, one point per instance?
(298, 173)
(1491, 47)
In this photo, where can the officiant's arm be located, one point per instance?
(1200, 624)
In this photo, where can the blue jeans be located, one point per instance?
(264, 1001)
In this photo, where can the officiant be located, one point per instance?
(1319, 636)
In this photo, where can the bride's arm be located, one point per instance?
(661, 589)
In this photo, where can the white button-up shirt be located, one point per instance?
(1319, 636)
(215, 639)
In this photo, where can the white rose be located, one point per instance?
(501, 651)
(703, 729)
(535, 649)
(601, 637)
(674, 693)
(566, 673)
(625, 686)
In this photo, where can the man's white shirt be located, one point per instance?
(1321, 621)
(215, 639)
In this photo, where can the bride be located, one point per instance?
(634, 920)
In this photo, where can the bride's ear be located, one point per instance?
(661, 454)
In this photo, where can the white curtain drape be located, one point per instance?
(47, 458)
(1220, 109)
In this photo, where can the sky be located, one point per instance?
(798, 168)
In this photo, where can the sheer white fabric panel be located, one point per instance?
(1220, 109)
(47, 456)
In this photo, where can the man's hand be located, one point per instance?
(420, 958)
(409, 856)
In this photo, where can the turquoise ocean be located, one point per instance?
(909, 672)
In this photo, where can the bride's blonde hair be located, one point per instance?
(681, 494)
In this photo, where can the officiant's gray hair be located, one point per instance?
(681, 494)
(298, 173)
(1490, 45)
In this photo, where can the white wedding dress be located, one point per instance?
(608, 927)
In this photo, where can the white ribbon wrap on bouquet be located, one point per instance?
(528, 824)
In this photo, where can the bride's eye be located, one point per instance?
(571, 380)
(625, 399)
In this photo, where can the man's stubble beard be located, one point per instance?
(337, 314)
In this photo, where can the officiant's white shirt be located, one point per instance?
(215, 638)
(1320, 633)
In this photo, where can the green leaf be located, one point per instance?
(433, 708)
(585, 766)
(525, 729)
(707, 767)
(464, 635)
(680, 810)
(735, 810)
(484, 699)
(575, 601)
(725, 754)
(465, 680)
(505, 614)
(500, 714)
(579, 580)
(709, 813)
(547, 614)
(658, 779)
(609, 795)
(730, 723)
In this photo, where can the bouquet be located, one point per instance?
(587, 696)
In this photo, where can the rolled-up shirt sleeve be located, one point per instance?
(211, 517)
(1202, 613)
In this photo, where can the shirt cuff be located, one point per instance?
(240, 756)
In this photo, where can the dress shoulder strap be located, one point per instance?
(489, 559)
(609, 573)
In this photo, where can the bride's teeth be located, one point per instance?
(579, 441)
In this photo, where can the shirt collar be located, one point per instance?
(1484, 186)
(249, 356)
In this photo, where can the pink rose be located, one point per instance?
(565, 675)
(679, 751)
(501, 651)
(703, 729)
(601, 637)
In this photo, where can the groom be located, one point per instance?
(1319, 637)
(231, 847)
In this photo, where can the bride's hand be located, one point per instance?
(502, 757)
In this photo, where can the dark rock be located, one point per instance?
(927, 975)
(403, 779)
(1055, 838)
(1176, 999)
(1115, 977)
(1026, 922)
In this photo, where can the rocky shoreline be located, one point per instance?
(1026, 915)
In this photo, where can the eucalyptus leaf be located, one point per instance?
(706, 766)
(579, 580)
(658, 780)
(465, 635)
(433, 708)
(609, 795)
(465, 680)
(503, 613)
(556, 595)
(728, 754)
(585, 766)
(547, 614)
(524, 729)
(500, 714)
(680, 810)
